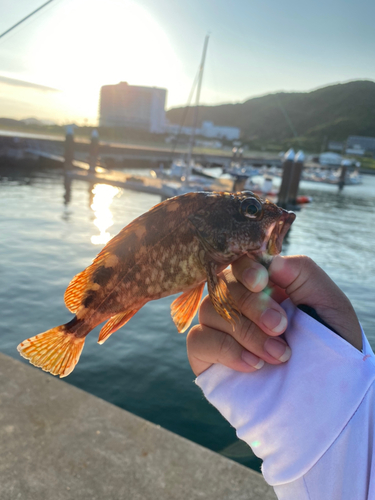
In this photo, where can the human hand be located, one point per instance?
(254, 340)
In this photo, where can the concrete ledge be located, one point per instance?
(60, 443)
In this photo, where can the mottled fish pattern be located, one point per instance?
(177, 246)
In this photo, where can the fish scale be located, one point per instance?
(177, 246)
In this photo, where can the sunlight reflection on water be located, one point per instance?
(103, 197)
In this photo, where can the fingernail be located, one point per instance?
(278, 349)
(252, 360)
(274, 320)
(253, 277)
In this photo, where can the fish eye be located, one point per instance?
(251, 208)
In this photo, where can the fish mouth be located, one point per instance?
(273, 241)
(279, 231)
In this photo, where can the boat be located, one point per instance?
(184, 169)
(332, 176)
(333, 169)
(238, 169)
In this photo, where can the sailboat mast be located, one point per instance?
(201, 68)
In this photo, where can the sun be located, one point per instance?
(89, 43)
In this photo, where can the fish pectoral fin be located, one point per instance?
(221, 297)
(185, 307)
(114, 324)
(56, 351)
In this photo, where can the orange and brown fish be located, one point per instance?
(177, 246)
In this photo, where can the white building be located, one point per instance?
(361, 143)
(330, 159)
(355, 150)
(124, 105)
(208, 129)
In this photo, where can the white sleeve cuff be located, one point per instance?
(290, 414)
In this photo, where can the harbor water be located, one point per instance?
(48, 236)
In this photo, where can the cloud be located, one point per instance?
(22, 83)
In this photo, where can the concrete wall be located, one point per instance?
(60, 443)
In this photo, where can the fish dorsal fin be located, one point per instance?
(74, 293)
(185, 307)
(83, 281)
(114, 324)
(132, 233)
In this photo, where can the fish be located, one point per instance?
(177, 246)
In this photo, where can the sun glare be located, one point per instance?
(103, 197)
(94, 43)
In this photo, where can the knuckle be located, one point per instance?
(308, 268)
(247, 332)
(193, 335)
(226, 345)
(306, 262)
(205, 309)
(245, 300)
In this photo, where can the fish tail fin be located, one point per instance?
(56, 351)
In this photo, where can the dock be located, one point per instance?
(153, 185)
(166, 189)
(116, 152)
(87, 168)
(59, 442)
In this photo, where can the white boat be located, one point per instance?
(237, 169)
(181, 168)
(331, 176)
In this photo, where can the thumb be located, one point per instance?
(306, 283)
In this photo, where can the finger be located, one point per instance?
(276, 292)
(255, 278)
(251, 274)
(306, 283)
(258, 307)
(247, 334)
(206, 346)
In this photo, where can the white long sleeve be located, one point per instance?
(311, 420)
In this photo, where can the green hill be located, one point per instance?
(329, 113)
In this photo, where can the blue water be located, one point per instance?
(143, 367)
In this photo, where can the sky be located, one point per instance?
(53, 65)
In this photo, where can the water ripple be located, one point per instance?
(143, 368)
